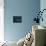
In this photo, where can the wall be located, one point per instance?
(43, 6)
(1, 20)
(24, 8)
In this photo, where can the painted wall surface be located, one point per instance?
(1, 20)
(24, 8)
(43, 6)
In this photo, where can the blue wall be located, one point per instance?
(24, 8)
(43, 6)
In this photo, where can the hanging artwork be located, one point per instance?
(17, 19)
